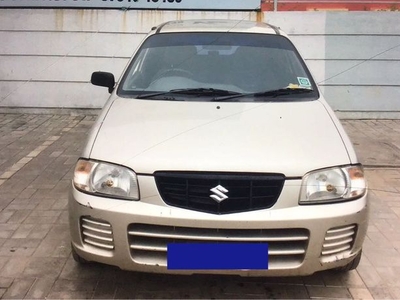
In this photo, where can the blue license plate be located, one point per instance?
(217, 256)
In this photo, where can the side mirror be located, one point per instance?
(103, 79)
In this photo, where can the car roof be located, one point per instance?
(217, 26)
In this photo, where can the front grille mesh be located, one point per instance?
(338, 240)
(241, 192)
(148, 243)
(97, 233)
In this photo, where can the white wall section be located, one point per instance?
(48, 55)
(139, 4)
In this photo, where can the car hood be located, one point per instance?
(292, 138)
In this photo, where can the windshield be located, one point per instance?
(203, 66)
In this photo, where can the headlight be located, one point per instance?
(332, 185)
(106, 179)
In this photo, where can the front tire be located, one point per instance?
(77, 258)
(351, 265)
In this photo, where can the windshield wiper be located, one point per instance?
(204, 92)
(270, 93)
(192, 91)
(282, 92)
(146, 96)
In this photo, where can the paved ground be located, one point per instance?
(37, 154)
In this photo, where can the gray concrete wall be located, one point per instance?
(47, 55)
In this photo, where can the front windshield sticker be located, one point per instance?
(304, 82)
(293, 86)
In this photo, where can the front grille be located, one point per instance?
(243, 192)
(97, 233)
(338, 240)
(148, 243)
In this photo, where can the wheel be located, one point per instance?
(76, 257)
(351, 265)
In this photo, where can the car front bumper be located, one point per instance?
(133, 235)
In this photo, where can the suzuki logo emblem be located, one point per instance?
(219, 193)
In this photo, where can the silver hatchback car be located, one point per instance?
(216, 153)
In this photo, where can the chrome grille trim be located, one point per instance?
(100, 245)
(92, 228)
(87, 233)
(338, 240)
(87, 220)
(148, 243)
(218, 238)
(336, 251)
(97, 233)
(147, 248)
